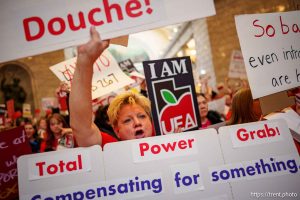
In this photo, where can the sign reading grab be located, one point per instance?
(44, 26)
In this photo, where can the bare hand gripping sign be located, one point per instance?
(170, 86)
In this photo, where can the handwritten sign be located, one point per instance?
(171, 88)
(270, 44)
(107, 77)
(44, 26)
(13, 144)
(237, 66)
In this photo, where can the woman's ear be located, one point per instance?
(116, 130)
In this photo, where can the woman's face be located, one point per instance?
(29, 130)
(133, 123)
(203, 106)
(43, 124)
(56, 126)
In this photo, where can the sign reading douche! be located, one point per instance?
(270, 44)
(44, 26)
(171, 89)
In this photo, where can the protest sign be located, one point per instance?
(172, 93)
(26, 110)
(179, 161)
(237, 66)
(260, 158)
(270, 45)
(107, 77)
(58, 172)
(13, 143)
(127, 66)
(10, 105)
(49, 102)
(45, 27)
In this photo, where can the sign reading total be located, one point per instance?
(44, 167)
(171, 88)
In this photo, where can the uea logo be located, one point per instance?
(177, 113)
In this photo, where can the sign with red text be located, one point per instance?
(172, 93)
(45, 27)
(182, 159)
(107, 77)
(44, 173)
(254, 165)
(270, 45)
(237, 66)
(13, 143)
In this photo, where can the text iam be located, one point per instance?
(168, 147)
(61, 167)
(244, 135)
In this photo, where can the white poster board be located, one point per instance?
(107, 77)
(176, 159)
(58, 172)
(270, 45)
(260, 160)
(237, 66)
(49, 25)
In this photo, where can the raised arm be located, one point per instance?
(81, 113)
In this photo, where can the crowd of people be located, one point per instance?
(129, 114)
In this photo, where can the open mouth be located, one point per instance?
(139, 134)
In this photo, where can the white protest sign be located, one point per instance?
(107, 77)
(45, 173)
(237, 66)
(44, 26)
(270, 44)
(182, 160)
(258, 166)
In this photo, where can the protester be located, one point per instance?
(59, 135)
(128, 113)
(32, 137)
(207, 117)
(244, 108)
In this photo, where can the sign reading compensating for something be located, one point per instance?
(271, 49)
(171, 89)
(43, 26)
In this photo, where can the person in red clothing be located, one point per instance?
(129, 113)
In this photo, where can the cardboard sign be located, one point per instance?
(270, 44)
(13, 143)
(107, 75)
(44, 26)
(10, 104)
(49, 102)
(180, 161)
(237, 66)
(56, 173)
(263, 161)
(26, 110)
(172, 93)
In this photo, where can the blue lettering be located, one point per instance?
(90, 194)
(36, 197)
(215, 176)
(124, 190)
(156, 185)
(292, 165)
(81, 195)
(226, 176)
(112, 190)
(250, 170)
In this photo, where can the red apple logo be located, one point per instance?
(177, 113)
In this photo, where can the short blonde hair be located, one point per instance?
(124, 99)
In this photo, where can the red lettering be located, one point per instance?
(61, 165)
(169, 146)
(157, 147)
(92, 19)
(182, 144)
(61, 23)
(144, 147)
(270, 27)
(81, 22)
(261, 134)
(52, 169)
(241, 136)
(40, 166)
(295, 28)
(132, 6)
(41, 28)
(282, 25)
(270, 131)
(108, 9)
(263, 30)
